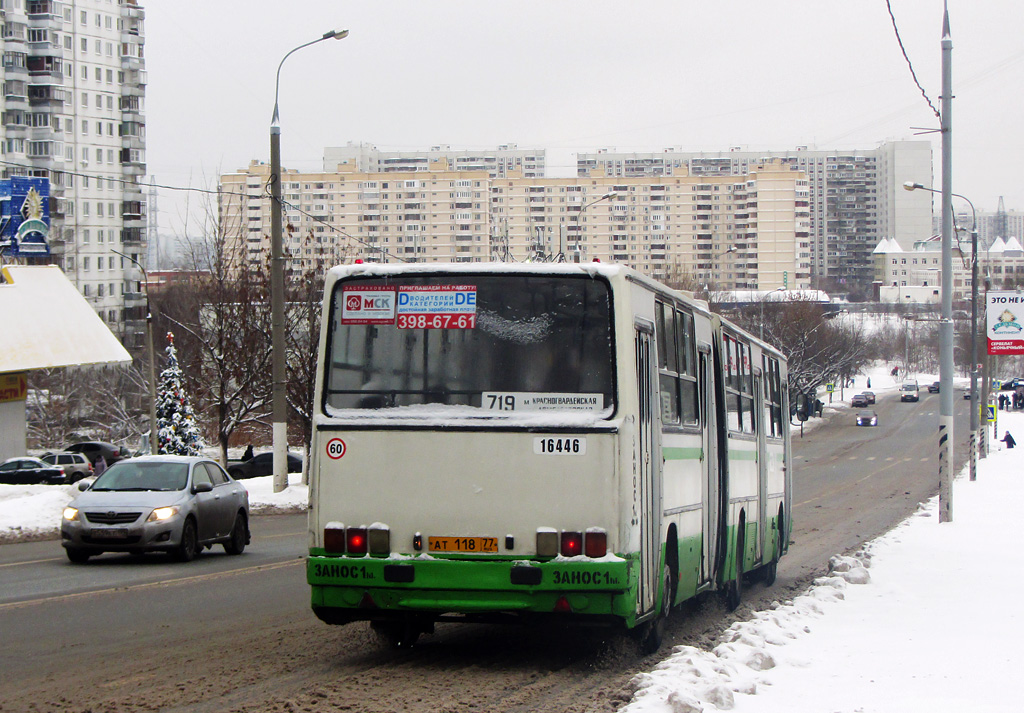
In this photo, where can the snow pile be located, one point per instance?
(922, 619)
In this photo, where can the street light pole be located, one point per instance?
(946, 325)
(280, 373)
(975, 405)
(576, 241)
(153, 438)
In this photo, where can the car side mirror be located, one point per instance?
(202, 487)
(84, 485)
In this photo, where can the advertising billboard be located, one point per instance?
(1004, 320)
(25, 216)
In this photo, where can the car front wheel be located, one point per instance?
(189, 545)
(77, 556)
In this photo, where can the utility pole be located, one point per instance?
(946, 324)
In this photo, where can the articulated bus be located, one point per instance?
(535, 443)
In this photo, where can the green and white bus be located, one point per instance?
(537, 442)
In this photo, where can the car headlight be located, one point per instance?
(70, 514)
(162, 513)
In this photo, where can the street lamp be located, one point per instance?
(152, 358)
(576, 239)
(975, 406)
(763, 299)
(280, 374)
(710, 271)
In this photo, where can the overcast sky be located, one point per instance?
(573, 76)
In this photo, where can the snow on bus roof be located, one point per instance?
(591, 269)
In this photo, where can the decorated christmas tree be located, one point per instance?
(177, 430)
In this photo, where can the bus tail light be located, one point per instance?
(547, 542)
(562, 605)
(355, 540)
(572, 543)
(378, 539)
(334, 538)
(596, 543)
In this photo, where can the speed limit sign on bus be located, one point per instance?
(335, 448)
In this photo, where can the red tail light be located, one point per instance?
(355, 540)
(572, 544)
(334, 538)
(562, 605)
(596, 544)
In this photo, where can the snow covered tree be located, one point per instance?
(178, 432)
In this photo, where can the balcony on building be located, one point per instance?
(131, 237)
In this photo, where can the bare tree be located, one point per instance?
(222, 319)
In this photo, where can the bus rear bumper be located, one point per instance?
(348, 589)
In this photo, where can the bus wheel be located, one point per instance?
(396, 634)
(734, 590)
(653, 632)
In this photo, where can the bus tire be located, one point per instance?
(654, 630)
(396, 634)
(734, 590)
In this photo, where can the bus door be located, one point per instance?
(648, 484)
(709, 479)
(760, 425)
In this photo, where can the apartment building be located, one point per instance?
(855, 197)
(497, 162)
(726, 231)
(72, 112)
(432, 216)
(915, 276)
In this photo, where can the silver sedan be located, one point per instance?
(175, 504)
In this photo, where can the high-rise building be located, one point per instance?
(856, 198)
(729, 232)
(74, 86)
(498, 162)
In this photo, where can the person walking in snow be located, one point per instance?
(869, 382)
(1008, 440)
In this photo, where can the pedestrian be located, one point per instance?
(1008, 440)
(99, 466)
(869, 382)
(248, 453)
(895, 371)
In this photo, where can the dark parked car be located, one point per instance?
(933, 388)
(76, 465)
(867, 418)
(31, 471)
(262, 464)
(859, 400)
(94, 449)
(174, 504)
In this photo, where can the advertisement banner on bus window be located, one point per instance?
(436, 307)
(1004, 312)
(367, 304)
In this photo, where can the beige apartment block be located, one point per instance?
(727, 232)
(435, 216)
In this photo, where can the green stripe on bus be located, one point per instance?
(682, 453)
(742, 455)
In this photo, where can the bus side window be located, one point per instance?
(688, 393)
(668, 379)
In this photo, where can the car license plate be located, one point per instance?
(462, 544)
(110, 533)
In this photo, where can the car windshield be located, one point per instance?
(129, 475)
(910, 387)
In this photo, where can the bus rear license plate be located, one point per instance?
(462, 544)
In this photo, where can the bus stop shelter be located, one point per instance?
(45, 323)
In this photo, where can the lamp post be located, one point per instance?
(152, 357)
(710, 272)
(576, 240)
(764, 297)
(975, 405)
(280, 373)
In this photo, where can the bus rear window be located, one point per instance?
(498, 342)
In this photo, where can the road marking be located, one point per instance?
(151, 585)
(872, 457)
(17, 564)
